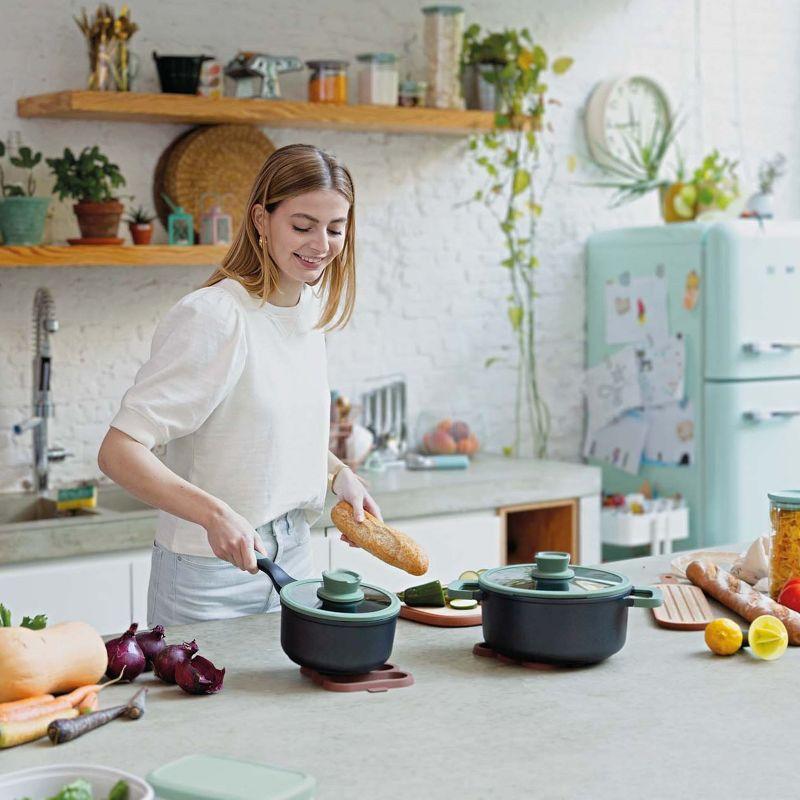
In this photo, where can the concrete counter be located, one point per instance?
(663, 718)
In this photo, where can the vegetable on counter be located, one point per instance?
(790, 594)
(65, 730)
(169, 658)
(57, 659)
(427, 594)
(28, 730)
(463, 604)
(33, 623)
(199, 676)
(152, 643)
(125, 656)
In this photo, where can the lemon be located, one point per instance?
(723, 636)
(767, 637)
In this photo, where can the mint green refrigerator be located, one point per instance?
(733, 295)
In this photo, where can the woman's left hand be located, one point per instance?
(351, 487)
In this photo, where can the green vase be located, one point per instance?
(22, 219)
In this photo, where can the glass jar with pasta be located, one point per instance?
(328, 81)
(784, 553)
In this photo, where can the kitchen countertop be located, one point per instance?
(489, 482)
(663, 718)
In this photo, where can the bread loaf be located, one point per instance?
(382, 541)
(741, 597)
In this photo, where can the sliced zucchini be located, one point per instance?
(481, 571)
(462, 604)
(470, 576)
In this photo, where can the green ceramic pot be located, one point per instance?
(22, 219)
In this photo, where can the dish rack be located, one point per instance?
(657, 528)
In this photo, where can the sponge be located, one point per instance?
(78, 497)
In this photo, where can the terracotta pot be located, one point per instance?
(99, 220)
(141, 233)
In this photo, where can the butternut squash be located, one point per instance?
(49, 661)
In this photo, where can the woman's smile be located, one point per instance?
(309, 262)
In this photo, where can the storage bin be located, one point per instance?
(659, 529)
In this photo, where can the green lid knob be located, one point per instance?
(552, 566)
(340, 586)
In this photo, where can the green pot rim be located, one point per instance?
(367, 618)
(622, 588)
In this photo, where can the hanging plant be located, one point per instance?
(510, 155)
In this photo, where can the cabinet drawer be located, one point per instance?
(93, 589)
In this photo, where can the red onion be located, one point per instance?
(199, 676)
(125, 654)
(152, 643)
(169, 658)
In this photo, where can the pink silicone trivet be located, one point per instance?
(484, 651)
(379, 680)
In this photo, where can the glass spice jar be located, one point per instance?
(784, 552)
(443, 42)
(412, 93)
(328, 81)
(377, 79)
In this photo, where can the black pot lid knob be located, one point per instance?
(552, 566)
(340, 586)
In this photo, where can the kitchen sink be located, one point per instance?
(16, 509)
(112, 498)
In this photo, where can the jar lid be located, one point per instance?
(409, 86)
(551, 576)
(340, 596)
(377, 58)
(449, 10)
(329, 63)
(785, 498)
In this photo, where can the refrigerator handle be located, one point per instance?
(769, 416)
(765, 348)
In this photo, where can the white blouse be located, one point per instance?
(238, 391)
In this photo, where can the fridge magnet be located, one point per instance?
(612, 387)
(692, 291)
(619, 444)
(670, 435)
(661, 368)
(636, 311)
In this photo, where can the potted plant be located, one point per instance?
(90, 179)
(716, 183)
(140, 224)
(22, 215)
(761, 203)
(515, 159)
(482, 59)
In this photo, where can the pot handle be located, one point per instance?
(278, 577)
(645, 597)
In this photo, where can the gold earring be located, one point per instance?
(261, 241)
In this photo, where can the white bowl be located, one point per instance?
(39, 783)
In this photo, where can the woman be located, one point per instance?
(236, 387)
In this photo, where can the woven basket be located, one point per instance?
(218, 160)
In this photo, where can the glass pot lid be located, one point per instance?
(340, 596)
(551, 576)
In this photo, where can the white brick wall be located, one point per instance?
(431, 300)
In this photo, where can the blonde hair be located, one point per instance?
(291, 171)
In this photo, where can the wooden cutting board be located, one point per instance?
(685, 607)
(442, 617)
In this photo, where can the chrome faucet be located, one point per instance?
(44, 323)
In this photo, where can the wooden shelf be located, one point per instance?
(191, 109)
(111, 256)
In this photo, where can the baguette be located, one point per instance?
(741, 597)
(378, 538)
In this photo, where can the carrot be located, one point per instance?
(90, 703)
(65, 730)
(13, 705)
(64, 701)
(21, 731)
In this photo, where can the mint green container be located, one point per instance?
(201, 777)
(22, 219)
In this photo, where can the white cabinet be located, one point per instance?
(454, 543)
(320, 550)
(95, 589)
(140, 581)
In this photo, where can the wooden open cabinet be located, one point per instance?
(527, 529)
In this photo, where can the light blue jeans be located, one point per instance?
(185, 589)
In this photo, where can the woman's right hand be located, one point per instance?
(233, 539)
